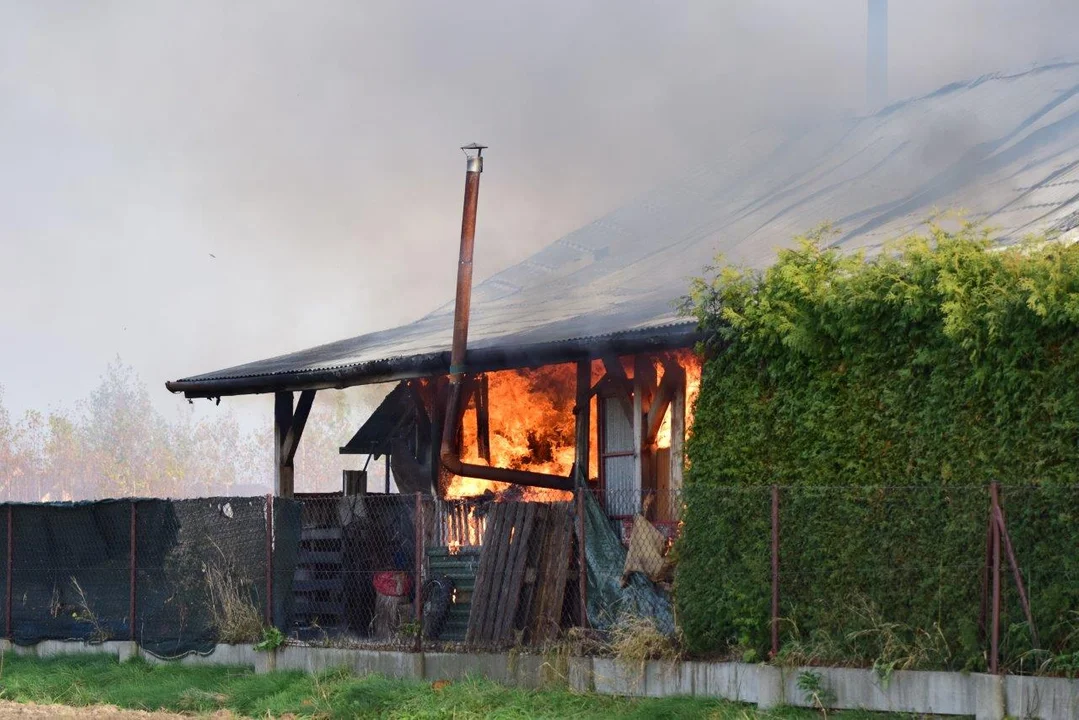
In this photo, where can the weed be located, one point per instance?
(815, 692)
(897, 646)
(272, 638)
(98, 633)
(235, 615)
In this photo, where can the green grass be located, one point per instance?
(95, 679)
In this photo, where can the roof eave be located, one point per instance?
(426, 365)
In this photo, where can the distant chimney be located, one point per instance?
(876, 69)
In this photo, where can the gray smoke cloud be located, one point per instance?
(192, 185)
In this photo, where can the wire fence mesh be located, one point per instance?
(906, 577)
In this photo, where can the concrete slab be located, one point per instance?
(730, 681)
(617, 677)
(1042, 697)
(987, 697)
(581, 674)
(458, 666)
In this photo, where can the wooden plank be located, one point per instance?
(321, 533)
(283, 471)
(511, 595)
(533, 556)
(483, 419)
(583, 428)
(499, 588)
(296, 426)
(678, 444)
(553, 574)
(323, 585)
(319, 557)
(673, 377)
(485, 577)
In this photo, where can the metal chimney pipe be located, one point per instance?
(461, 310)
(463, 302)
(876, 71)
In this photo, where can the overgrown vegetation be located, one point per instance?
(235, 613)
(883, 395)
(92, 680)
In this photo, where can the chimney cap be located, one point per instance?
(474, 146)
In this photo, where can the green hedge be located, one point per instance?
(884, 395)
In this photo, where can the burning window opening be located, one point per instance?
(531, 426)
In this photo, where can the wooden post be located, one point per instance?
(678, 443)
(288, 429)
(354, 482)
(283, 471)
(483, 419)
(583, 413)
(644, 382)
(133, 575)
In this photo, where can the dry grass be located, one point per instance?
(635, 638)
(99, 633)
(236, 617)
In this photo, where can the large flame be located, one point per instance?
(692, 365)
(532, 426)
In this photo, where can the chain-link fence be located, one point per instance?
(177, 576)
(898, 577)
(491, 571)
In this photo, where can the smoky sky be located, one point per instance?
(192, 185)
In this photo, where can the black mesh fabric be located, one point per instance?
(70, 571)
(199, 565)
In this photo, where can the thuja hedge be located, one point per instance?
(883, 395)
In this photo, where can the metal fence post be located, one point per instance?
(269, 559)
(132, 574)
(994, 643)
(582, 560)
(417, 599)
(775, 570)
(9, 625)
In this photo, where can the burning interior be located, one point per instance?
(535, 478)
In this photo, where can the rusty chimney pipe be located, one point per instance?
(461, 310)
(463, 302)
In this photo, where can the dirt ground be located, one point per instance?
(97, 712)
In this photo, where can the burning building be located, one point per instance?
(573, 369)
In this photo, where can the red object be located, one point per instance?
(392, 584)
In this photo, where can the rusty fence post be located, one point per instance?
(9, 625)
(132, 573)
(269, 559)
(417, 599)
(582, 559)
(775, 570)
(994, 642)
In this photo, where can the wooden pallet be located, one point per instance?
(318, 584)
(521, 579)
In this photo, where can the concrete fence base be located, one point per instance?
(986, 697)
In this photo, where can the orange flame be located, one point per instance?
(692, 365)
(532, 426)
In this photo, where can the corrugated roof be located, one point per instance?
(1004, 148)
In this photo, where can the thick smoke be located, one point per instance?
(195, 185)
